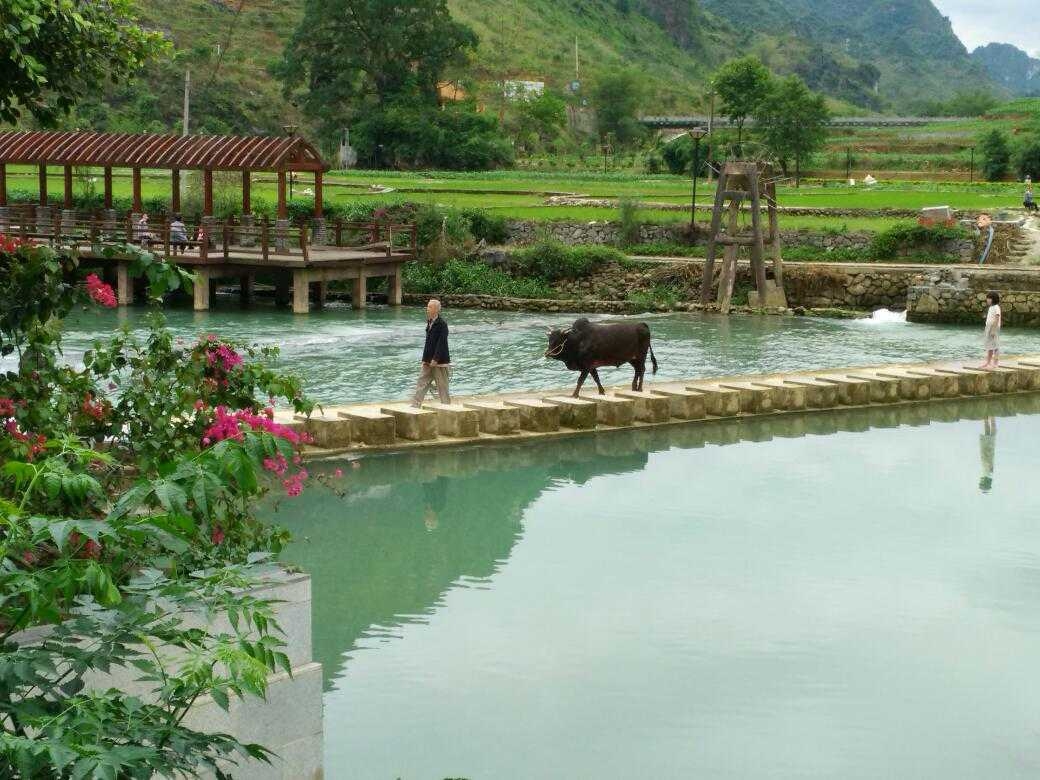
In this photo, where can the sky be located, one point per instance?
(1004, 21)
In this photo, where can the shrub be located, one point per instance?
(628, 221)
(1027, 158)
(485, 226)
(996, 155)
(552, 261)
(465, 277)
(910, 236)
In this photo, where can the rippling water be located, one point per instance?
(841, 595)
(373, 355)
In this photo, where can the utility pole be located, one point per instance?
(971, 170)
(187, 90)
(577, 76)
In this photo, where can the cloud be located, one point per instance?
(1002, 21)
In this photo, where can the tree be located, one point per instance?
(996, 155)
(55, 52)
(536, 120)
(617, 97)
(792, 122)
(1027, 158)
(741, 85)
(354, 57)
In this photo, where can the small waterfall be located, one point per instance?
(886, 315)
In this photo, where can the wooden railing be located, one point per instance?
(213, 241)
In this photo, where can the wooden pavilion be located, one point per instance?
(299, 255)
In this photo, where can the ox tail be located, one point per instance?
(653, 360)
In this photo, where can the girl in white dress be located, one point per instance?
(994, 320)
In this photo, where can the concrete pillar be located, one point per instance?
(396, 288)
(245, 288)
(202, 287)
(301, 292)
(124, 287)
(357, 299)
(68, 221)
(44, 219)
(247, 232)
(281, 288)
(281, 235)
(319, 234)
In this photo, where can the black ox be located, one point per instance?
(586, 346)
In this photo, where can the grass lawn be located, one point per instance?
(522, 194)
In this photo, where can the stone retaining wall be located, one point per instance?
(959, 296)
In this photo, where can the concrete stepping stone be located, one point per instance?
(754, 399)
(455, 420)
(883, 389)
(939, 385)
(911, 387)
(536, 415)
(787, 397)
(718, 401)
(371, 426)
(612, 410)
(970, 381)
(576, 413)
(684, 404)
(495, 417)
(650, 408)
(1028, 373)
(818, 395)
(413, 424)
(1007, 378)
(851, 392)
(327, 429)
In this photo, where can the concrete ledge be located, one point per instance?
(911, 386)
(754, 398)
(851, 392)
(411, 423)
(328, 430)
(787, 397)
(650, 407)
(939, 385)
(612, 410)
(719, 401)
(455, 420)
(883, 389)
(683, 404)
(818, 394)
(371, 427)
(495, 417)
(576, 413)
(536, 415)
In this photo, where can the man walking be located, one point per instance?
(436, 362)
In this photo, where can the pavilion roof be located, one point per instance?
(151, 150)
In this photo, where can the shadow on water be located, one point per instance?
(414, 525)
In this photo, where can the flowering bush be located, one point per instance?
(126, 494)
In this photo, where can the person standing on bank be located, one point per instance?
(436, 362)
(994, 321)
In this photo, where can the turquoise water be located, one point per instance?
(841, 595)
(373, 355)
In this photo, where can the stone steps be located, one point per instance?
(397, 425)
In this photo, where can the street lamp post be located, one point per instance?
(696, 134)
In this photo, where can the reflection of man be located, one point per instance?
(435, 497)
(436, 362)
(987, 449)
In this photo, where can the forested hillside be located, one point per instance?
(1010, 67)
(876, 55)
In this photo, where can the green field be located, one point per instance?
(523, 194)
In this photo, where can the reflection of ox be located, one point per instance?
(586, 346)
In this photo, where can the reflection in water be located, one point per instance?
(987, 450)
(666, 599)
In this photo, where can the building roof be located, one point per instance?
(150, 150)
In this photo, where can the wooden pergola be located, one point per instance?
(138, 151)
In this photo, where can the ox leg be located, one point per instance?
(595, 375)
(581, 380)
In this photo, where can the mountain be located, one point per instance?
(911, 46)
(1010, 67)
(877, 55)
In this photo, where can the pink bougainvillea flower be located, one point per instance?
(217, 535)
(100, 292)
(6, 407)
